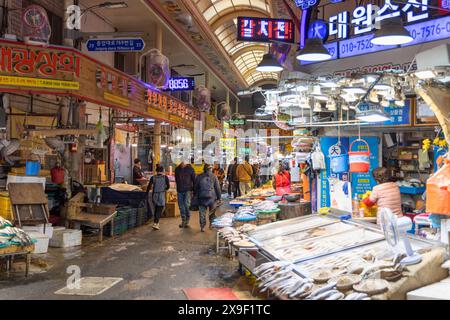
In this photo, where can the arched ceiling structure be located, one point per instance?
(221, 15)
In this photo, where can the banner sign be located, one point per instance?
(265, 30)
(67, 72)
(427, 31)
(360, 182)
(115, 45)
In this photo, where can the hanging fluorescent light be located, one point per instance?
(330, 85)
(331, 105)
(382, 87)
(425, 74)
(400, 103)
(391, 33)
(301, 88)
(113, 5)
(373, 116)
(269, 64)
(314, 50)
(349, 97)
(352, 107)
(317, 107)
(355, 90)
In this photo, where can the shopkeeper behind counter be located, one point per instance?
(282, 181)
(386, 194)
(138, 175)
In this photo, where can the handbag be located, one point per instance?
(194, 204)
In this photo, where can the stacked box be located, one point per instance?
(66, 238)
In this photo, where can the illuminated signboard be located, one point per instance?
(363, 18)
(181, 84)
(237, 122)
(361, 22)
(265, 30)
(305, 4)
(318, 29)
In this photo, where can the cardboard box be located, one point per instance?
(172, 210)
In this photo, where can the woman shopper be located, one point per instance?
(158, 186)
(386, 194)
(207, 192)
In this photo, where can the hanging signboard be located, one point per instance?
(67, 72)
(265, 30)
(360, 182)
(352, 31)
(181, 84)
(115, 45)
(400, 115)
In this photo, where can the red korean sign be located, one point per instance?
(62, 71)
(265, 30)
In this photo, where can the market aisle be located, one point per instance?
(154, 265)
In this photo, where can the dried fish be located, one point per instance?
(302, 291)
(356, 296)
(321, 290)
(336, 296)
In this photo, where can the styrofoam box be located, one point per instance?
(66, 238)
(436, 291)
(40, 228)
(41, 246)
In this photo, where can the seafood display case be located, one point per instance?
(304, 241)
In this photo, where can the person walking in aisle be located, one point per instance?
(235, 179)
(219, 173)
(245, 174)
(158, 186)
(207, 192)
(185, 179)
(230, 170)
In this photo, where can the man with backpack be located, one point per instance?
(156, 194)
(207, 192)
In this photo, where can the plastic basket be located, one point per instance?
(359, 160)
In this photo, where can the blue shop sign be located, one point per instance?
(115, 45)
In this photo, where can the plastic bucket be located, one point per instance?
(359, 160)
(32, 168)
(339, 163)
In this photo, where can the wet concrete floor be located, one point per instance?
(153, 264)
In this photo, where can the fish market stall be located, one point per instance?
(322, 257)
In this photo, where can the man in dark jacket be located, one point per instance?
(230, 172)
(185, 179)
(207, 192)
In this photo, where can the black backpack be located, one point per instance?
(206, 187)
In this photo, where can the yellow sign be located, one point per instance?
(228, 144)
(39, 83)
(119, 100)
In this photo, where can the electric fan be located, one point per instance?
(395, 230)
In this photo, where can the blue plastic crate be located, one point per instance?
(412, 190)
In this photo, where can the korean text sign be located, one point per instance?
(265, 30)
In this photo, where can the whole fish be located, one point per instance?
(337, 296)
(325, 295)
(356, 296)
(303, 290)
(319, 291)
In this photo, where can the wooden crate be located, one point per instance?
(172, 210)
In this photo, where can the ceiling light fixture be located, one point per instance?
(269, 64)
(113, 5)
(373, 116)
(331, 85)
(331, 105)
(355, 90)
(425, 74)
(382, 87)
(314, 50)
(391, 33)
(317, 107)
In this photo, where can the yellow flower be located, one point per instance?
(436, 141)
(442, 143)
